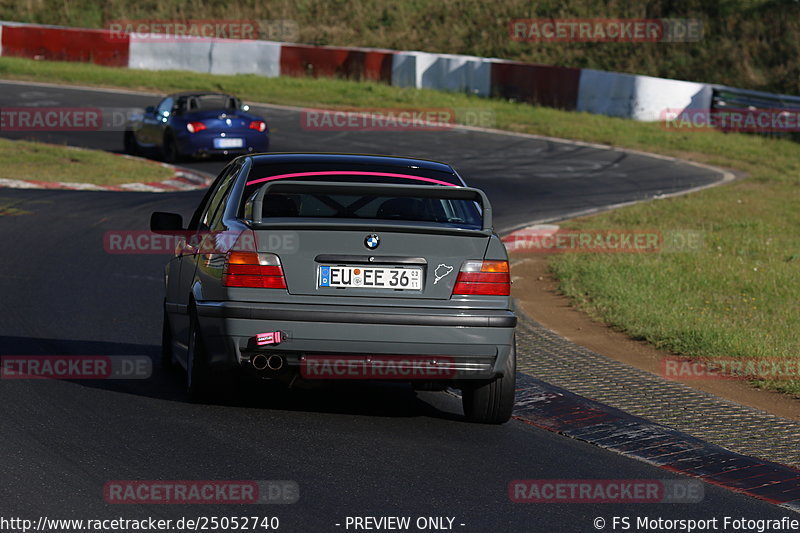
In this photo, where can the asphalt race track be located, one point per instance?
(526, 179)
(366, 451)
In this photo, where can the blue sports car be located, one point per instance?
(197, 124)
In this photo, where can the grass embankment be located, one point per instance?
(23, 160)
(735, 297)
(751, 44)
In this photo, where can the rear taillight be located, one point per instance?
(258, 125)
(194, 127)
(483, 277)
(251, 269)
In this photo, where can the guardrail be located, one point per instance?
(615, 94)
(732, 98)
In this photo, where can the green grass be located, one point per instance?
(23, 160)
(747, 43)
(736, 297)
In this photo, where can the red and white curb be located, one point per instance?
(523, 239)
(557, 410)
(183, 180)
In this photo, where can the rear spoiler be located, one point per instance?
(378, 189)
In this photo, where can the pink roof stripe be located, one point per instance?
(349, 173)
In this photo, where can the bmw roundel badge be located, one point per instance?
(372, 241)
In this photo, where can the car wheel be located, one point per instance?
(169, 149)
(131, 146)
(198, 373)
(491, 402)
(167, 360)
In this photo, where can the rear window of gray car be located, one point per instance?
(451, 212)
(460, 213)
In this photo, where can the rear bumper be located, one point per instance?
(203, 143)
(475, 341)
(378, 316)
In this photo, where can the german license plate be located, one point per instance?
(228, 143)
(371, 277)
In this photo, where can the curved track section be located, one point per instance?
(367, 451)
(527, 178)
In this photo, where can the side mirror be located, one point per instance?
(165, 223)
(150, 110)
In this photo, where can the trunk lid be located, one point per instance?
(336, 262)
(220, 120)
(370, 240)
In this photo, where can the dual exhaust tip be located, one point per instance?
(263, 362)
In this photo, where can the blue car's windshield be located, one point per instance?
(210, 102)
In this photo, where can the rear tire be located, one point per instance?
(198, 374)
(130, 143)
(169, 149)
(492, 402)
(167, 360)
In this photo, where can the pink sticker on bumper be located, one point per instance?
(265, 339)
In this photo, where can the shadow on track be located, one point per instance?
(353, 398)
